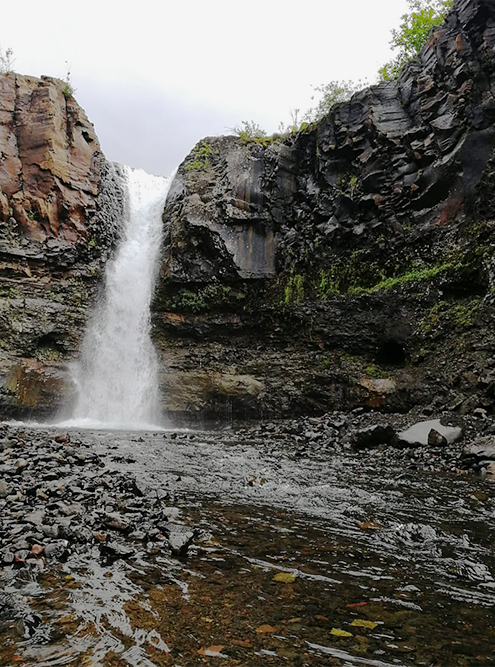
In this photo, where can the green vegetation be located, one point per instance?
(32, 214)
(201, 299)
(294, 289)
(374, 371)
(460, 315)
(46, 353)
(416, 275)
(361, 273)
(69, 90)
(6, 61)
(249, 130)
(330, 94)
(413, 33)
(344, 275)
(346, 184)
(200, 158)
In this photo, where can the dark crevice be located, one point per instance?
(391, 353)
(15, 129)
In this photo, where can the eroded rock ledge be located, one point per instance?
(60, 205)
(350, 263)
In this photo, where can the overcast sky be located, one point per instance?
(156, 77)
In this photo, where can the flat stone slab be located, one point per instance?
(482, 448)
(417, 435)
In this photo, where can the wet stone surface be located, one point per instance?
(304, 542)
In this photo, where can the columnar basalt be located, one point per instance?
(351, 262)
(348, 264)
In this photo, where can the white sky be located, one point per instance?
(156, 76)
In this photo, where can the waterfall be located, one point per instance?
(117, 375)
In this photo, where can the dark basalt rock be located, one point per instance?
(349, 264)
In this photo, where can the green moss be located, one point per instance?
(264, 141)
(346, 274)
(346, 184)
(32, 214)
(463, 314)
(459, 315)
(200, 157)
(374, 371)
(294, 289)
(416, 275)
(46, 353)
(200, 299)
(325, 362)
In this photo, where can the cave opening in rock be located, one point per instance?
(391, 353)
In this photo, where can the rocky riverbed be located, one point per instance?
(337, 540)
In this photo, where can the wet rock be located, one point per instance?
(481, 449)
(137, 536)
(180, 537)
(8, 557)
(112, 551)
(490, 472)
(372, 436)
(36, 517)
(171, 513)
(117, 522)
(436, 439)
(57, 550)
(4, 489)
(9, 609)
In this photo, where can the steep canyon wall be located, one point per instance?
(60, 203)
(350, 263)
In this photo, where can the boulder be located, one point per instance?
(482, 449)
(420, 434)
(372, 436)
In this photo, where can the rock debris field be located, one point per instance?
(145, 513)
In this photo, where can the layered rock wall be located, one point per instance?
(60, 209)
(348, 264)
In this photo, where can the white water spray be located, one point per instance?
(117, 377)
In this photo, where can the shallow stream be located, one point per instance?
(295, 558)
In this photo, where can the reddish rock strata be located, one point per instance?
(51, 161)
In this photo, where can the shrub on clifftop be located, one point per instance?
(413, 33)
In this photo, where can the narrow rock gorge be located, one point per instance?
(348, 264)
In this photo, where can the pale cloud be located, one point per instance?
(155, 77)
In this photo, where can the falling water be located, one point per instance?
(117, 376)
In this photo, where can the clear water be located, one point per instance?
(408, 552)
(117, 375)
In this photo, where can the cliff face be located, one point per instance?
(60, 203)
(351, 263)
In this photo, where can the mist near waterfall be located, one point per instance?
(117, 374)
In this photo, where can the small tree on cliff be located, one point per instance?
(331, 93)
(413, 33)
(6, 61)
